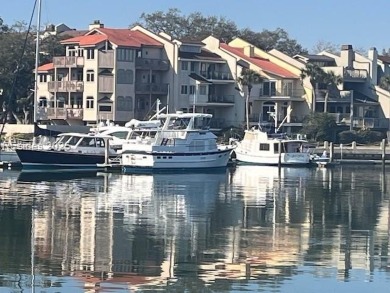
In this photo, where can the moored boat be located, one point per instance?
(183, 142)
(77, 151)
(259, 147)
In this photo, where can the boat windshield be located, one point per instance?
(202, 123)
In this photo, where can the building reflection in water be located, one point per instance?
(190, 230)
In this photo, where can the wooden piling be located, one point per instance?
(383, 146)
(331, 152)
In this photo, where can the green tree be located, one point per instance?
(268, 40)
(16, 69)
(247, 79)
(385, 82)
(315, 75)
(197, 26)
(320, 127)
(318, 77)
(331, 80)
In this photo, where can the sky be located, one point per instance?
(361, 23)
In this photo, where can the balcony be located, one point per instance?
(221, 99)
(349, 75)
(68, 61)
(106, 84)
(106, 59)
(217, 75)
(151, 88)
(151, 64)
(73, 86)
(59, 113)
(296, 94)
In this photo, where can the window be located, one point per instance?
(125, 76)
(183, 90)
(80, 75)
(202, 90)
(287, 88)
(184, 65)
(268, 88)
(193, 66)
(192, 89)
(90, 76)
(264, 147)
(43, 78)
(42, 102)
(124, 103)
(104, 108)
(90, 103)
(80, 52)
(90, 53)
(60, 102)
(126, 55)
(276, 148)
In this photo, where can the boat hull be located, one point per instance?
(172, 160)
(273, 159)
(49, 159)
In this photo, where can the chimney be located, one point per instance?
(95, 24)
(373, 56)
(249, 51)
(347, 56)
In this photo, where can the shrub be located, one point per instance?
(347, 136)
(361, 136)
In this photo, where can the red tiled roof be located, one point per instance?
(262, 63)
(129, 38)
(46, 67)
(88, 40)
(120, 37)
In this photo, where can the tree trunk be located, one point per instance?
(326, 102)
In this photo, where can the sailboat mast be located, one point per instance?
(37, 42)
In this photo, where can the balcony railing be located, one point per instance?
(66, 86)
(217, 75)
(355, 74)
(371, 122)
(221, 99)
(296, 93)
(361, 122)
(151, 64)
(106, 59)
(68, 61)
(151, 88)
(203, 99)
(59, 113)
(348, 75)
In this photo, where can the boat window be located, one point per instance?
(264, 147)
(276, 148)
(100, 142)
(73, 140)
(120, 134)
(88, 142)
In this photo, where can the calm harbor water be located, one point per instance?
(250, 228)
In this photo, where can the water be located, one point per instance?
(251, 229)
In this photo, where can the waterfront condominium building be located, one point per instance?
(115, 74)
